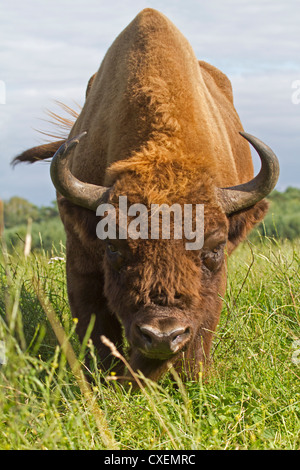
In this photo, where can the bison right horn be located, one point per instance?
(82, 194)
(242, 196)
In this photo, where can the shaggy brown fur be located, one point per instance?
(162, 128)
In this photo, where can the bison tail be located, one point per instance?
(35, 154)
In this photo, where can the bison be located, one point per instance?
(159, 127)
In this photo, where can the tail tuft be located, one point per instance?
(35, 154)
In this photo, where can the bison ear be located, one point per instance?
(89, 85)
(240, 223)
(38, 153)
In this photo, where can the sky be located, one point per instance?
(50, 48)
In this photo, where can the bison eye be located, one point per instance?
(112, 248)
(115, 256)
(212, 260)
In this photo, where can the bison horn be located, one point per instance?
(240, 197)
(82, 194)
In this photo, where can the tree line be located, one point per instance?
(283, 218)
(46, 228)
(281, 222)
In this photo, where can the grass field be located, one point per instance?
(250, 399)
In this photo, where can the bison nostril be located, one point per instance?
(179, 335)
(147, 338)
(161, 343)
(143, 335)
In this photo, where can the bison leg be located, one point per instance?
(86, 299)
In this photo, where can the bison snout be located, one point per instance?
(161, 344)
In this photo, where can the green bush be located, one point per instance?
(283, 219)
(47, 229)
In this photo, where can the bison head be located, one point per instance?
(167, 297)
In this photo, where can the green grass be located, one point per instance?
(250, 399)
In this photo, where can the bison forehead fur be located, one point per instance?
(161, 128)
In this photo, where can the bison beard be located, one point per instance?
(158, 127)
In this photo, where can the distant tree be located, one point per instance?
(283, 219)
(48, 212)
(47, 229)
(17, 211)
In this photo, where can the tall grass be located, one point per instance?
(249, 400)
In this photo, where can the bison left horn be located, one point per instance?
(82, 194)
(240, 197)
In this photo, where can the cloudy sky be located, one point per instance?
(50, 48)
